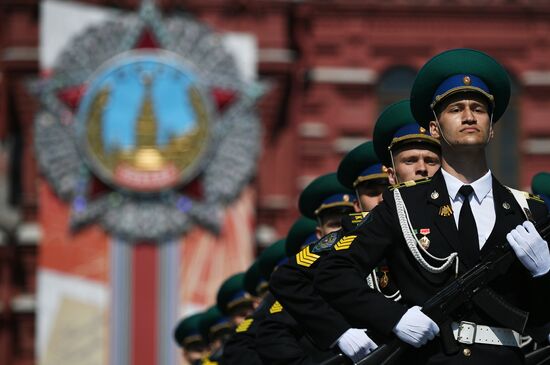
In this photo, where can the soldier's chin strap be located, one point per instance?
(441, 129)
(359, 200)
(319, 222)
(393, 165)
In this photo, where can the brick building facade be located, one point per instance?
(332, 65)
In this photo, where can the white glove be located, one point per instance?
(530, 248)
(416, 328)
(355, 344)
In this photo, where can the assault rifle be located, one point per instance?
(472, 286)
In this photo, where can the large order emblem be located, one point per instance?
(147, 127)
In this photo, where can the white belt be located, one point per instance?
(470, 333)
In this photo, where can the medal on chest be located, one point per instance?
(384, 280)
(424, 240)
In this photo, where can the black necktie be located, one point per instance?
(467, 230)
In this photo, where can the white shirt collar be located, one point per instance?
(481, 186)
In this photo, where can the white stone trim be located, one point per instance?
(346, 144)
(20, 54)
(344, 75)
(537, 146)
(24, 303)
(536, 78)
(275, 201)
(276, 55)
(312, 129)
(29, 233)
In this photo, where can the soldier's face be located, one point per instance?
(329, 224)
(368, 196)
(413, 163)
(464, 121)
(239, 314)
(194, 355)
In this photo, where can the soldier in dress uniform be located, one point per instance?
(464, 213)
(325, 201)
(216, 329)
(189, 338)
(233, 304)
(292, 283)
(254, 283)
(233, 300)
(406, 148)
(360, 170)
(302, 233)
(241, 347)
(278, 336)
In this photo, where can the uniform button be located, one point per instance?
(467, 352)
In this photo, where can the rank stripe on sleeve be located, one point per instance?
(344, 243)
(245, 325)
(276, 308)
(306, 258)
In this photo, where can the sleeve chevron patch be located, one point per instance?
(245, 325)
(276, 308)
(305, 257)
(344, 243)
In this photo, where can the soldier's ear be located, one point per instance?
(392, 178)
(434, 129)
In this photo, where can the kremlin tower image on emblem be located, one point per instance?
(146, 165)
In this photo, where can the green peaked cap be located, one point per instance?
(253, 281)
(187, 331)
(393, 119)
(361, 164)
(313, 199)
(541, 183)
(213, 322)
(302, 228)
(461, 61)
(271, 257)
(232, 293)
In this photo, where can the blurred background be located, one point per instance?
(330, 67)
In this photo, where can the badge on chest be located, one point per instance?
(423, 239)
